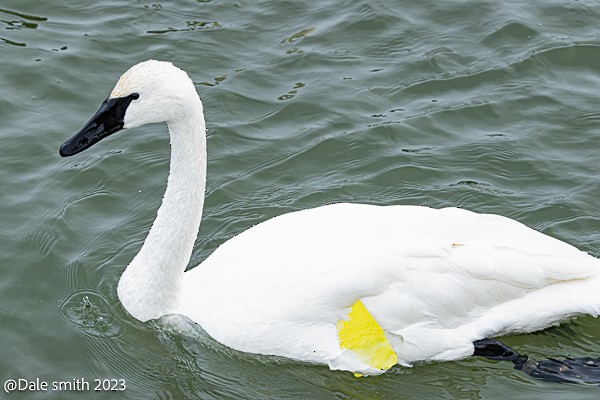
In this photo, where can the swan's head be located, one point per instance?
(149, 92)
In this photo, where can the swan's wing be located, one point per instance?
(362, 242)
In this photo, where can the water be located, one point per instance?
(490, 106)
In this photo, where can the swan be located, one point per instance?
(356, 287)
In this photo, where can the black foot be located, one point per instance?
(573, 370)
(495, 350)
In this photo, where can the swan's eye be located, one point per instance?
(134, 96)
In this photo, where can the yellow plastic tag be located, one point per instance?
(363, 335)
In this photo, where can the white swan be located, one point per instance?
(356, 287)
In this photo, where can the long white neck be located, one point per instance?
(150, 286)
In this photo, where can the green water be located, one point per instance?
(491, 106)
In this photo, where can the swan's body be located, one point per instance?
(432, 280)
(428, 277)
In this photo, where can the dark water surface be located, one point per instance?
(491, 106)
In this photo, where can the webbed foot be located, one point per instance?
(572, 370)
(494, 350)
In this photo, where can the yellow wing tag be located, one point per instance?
(363, 335)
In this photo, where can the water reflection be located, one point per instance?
(190, 26)
(24, 16)
(24, 22)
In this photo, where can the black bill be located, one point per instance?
(107, 120)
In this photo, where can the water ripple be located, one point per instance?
(90, 313)
(13, 43)
(23, 15)
(190, 26)
(25, 21)
(509, 34)
(298, 35)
